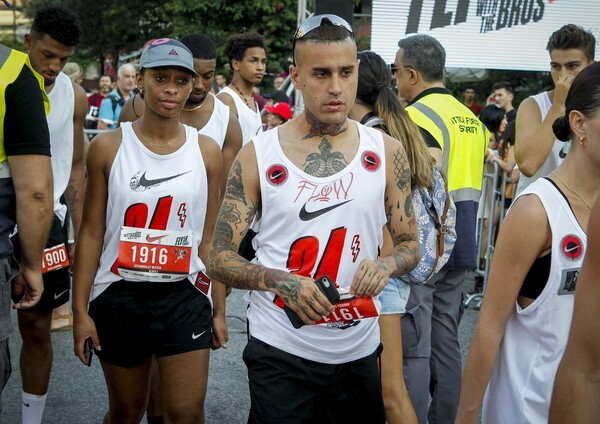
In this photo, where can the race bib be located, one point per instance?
(349, 309)
(55, 257)
(154, 255)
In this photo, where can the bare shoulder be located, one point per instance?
(79, 92)
(528, 109)
(103, 148)
(228, 100)
(208, 146)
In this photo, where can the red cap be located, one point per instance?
(282, 109)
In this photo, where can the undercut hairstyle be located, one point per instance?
(237, 44)
(326, 33)
(374, 79)
(584, 96)
(58, 23)
(200, 45)
(424, 54)
(504, 84)
(573, 37)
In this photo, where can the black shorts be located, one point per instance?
(57, 283)
(138, 319)
(285, 388)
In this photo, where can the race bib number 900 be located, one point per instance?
(154, 255)
(55, 257)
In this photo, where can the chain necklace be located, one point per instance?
(173, 140)
(199, 106)
(242, 95)
(571, 189)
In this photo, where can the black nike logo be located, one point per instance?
(307, 216)
(143, 183)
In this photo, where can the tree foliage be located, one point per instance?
(124, 26)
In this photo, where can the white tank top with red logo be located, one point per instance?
(319, 226)
(520, 387)
(216, 127)
(154, 214)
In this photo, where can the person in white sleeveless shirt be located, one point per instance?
(319, 190)
(247, 55)
(537, 151)
(526, 313)
(576, 387)
(148, 218)
(54, 34)
(202, 110)
(210, 117)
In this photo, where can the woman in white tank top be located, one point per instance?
(149, 213)
(526, 314)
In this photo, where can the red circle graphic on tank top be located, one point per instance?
(571, 247)
(371, 161)
(277, 174)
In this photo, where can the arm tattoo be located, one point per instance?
(320, 129)
(325, 163)
(235, 187)
(401, 170)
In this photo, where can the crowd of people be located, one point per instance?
(194, 186)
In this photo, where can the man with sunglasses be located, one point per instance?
(318, 191)
(458, 142)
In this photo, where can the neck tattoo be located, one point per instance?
(571, 189)
(168, 143)
(242, 95)
(321, 129)
(191, 109)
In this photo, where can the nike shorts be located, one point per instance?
(394, 297)
(288, 389)
(57, 284)
(138, 319)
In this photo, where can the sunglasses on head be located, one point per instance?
(315, 22)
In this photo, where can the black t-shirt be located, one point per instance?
(25, 124)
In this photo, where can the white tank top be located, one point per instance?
(151, 191)
(317, 226)
(60, 124)
(250, 121)
(553, 160)
(520, 387)
(216, 127)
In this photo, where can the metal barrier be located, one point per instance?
(490, 196)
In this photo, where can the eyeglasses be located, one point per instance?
(395, 68)
(315, 22)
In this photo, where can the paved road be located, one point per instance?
(78, 394)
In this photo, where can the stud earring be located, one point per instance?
(581, 139)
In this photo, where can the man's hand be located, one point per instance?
(561, 89)
(304, 297)
(370, 278)
(30, 285)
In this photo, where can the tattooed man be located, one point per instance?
(318, 191)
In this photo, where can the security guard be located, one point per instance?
(458, 141)
(25, 188)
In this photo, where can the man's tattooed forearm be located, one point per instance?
(405, 258)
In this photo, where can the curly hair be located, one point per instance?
(58, 23)
(237, 44)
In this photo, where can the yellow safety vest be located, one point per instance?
(462, 137)
(11, 64)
